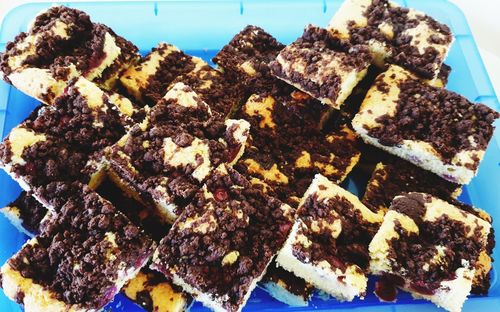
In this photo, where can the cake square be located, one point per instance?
(429, 248)
(65, 141)
(287, 148)
(246, 57)
(82, 257)
(62, 43)
(148, 289)
(320, 66)
(165, 159)
(482, 268)
(394, 34)
(286, 287)
(153, 292)
(394, 176)
(149, 79)
(221, 245)
(328, 246)
(433, 128)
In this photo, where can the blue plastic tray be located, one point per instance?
(201, 28)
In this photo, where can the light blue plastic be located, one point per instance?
(201, 28)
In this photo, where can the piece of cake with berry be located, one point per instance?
(319, 65)
(221, 245)
(394, 34)
(62, 43)
(65, 141)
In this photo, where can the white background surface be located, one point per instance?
(483, 17)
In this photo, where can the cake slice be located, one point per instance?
(82, 257)
(287, 147)
(246, 57)
(319, 65)
(433, 128)
(65, 141)
(62, 43)
(163, 160)
(149, 79)
(328, 245)
(221, 245)
(394, 34)
(223, 94)
(286, 287)
(395, 176)
(429, 248)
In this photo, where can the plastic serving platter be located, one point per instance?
(201, 28)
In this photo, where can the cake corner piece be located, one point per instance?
(433, 128)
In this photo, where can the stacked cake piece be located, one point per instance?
(328, 246)
(430, 248)
(164, 160)
(62, 43)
